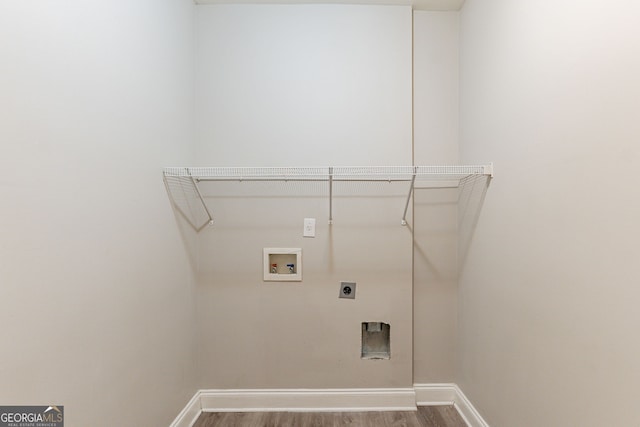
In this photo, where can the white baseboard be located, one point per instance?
(385, 399)
(435, 394)
(334, 400)
(449, 394)
(189, 414)
(468, 411)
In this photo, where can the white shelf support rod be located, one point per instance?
(330, 195)
(406, 206)
(204, 205)
(488, 170)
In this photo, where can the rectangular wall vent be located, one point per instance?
(376, 340)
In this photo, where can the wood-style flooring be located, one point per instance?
(425, 416)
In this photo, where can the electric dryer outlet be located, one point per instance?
(347, 290)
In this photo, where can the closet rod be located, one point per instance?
(284, 179)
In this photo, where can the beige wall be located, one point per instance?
(435, 268)
(548, 293)
(304, 85)
(96, 294)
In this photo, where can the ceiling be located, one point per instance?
(417, 4)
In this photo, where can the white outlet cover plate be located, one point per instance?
(309, 227)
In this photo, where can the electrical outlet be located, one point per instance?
(309, 227)
(347, 290)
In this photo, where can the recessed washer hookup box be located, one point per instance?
(282, 264)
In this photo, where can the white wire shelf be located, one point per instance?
(382, 173)
(182, 182)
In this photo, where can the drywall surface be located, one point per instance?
(435, 47)
(435, 87)
(97, 294)
(303, 85)
(548, 292)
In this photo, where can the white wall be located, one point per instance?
(96, 295)
(435, 87)
(304, 85)
(435, 101)
(548, 309)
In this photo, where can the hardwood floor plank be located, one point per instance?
(349, 419)
(277, 419)
(208, 419)
(430, 417)
(425, 416)
(374, 419)
(402, 419)
(440, 416)
(239, 419)
(451, 416)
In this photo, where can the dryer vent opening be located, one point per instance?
(375, 340)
